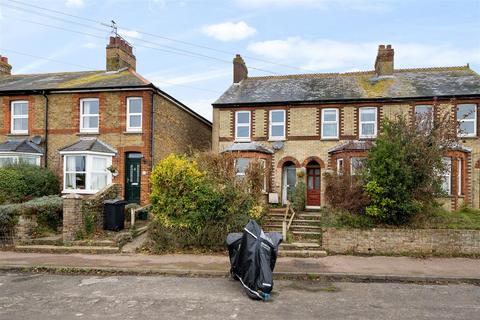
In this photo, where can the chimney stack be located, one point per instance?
(120, 54)
(240, 70)
(5, 68)
(384, 61)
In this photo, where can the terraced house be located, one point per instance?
(318, 122)
(95, 127)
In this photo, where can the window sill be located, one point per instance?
(88, 133)
(132, 132)
(243, 140)
(69, 191)
(467, 137)
(330, 139)
(277, 139)
(17, 134)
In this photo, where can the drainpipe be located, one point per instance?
(152, 129)
(46, 128)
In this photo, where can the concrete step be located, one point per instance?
(295, 227)
(302, 253)
(277, 209)
(66, 249)
(314, 245)
(52, 240)
(306, 234)
(94, 243)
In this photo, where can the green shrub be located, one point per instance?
(299, 196)
(22, 182)
(192, 208)
(48, 211)
(402, 169)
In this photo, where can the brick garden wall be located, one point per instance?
(402, 241)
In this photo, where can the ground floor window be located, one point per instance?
(356, 164)
(86, 173)
(11, 159)
(447, 176)
(241, 167)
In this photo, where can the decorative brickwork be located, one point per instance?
(402, 241)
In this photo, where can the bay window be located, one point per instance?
(242, 125)
(19, 117)
(86, 173)
(356, 164)
(368, 122)
(277, 125)
(329, 123)
(7, 159)
(467, 120)
(447, 176)
(134, 114)
(89, 115)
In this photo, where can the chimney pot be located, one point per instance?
(389, 46)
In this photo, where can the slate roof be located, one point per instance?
(352, 145)
(404, 83)
(20, 146)
(247, 146)
(89, 144)
(72, 80)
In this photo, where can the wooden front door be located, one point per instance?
(313, 186)
(132, 177)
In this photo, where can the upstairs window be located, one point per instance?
(242, 125)
(134, 114)
(89, 115)
(467, 120)
(368, 122)
(329, 123)
(19, 114)
(424, 115)
(277, 125)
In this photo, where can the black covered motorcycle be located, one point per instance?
(253, 254)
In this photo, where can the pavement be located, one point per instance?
(62, 297)
(338, 267)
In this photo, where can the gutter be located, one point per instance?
(336, 101)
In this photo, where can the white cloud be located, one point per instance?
(360, 5)
(229, 31)
(74, 3)
(202, 106)
(328, 55)
(90, 45)
(129, 33)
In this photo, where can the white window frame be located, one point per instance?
(16, 156)
(129, 114)
(13, 117)
(431, 113)
(271, 124)
(474, 120)
(83, 116)
(374, 122)
(447, 176)
(88, 170)
(336, 122)
(459, 177)
(249, 125)
(353, 171)
(340, 165)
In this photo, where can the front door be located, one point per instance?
(313, 186)
(132, 177)
(289, 182)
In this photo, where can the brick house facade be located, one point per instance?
(68, 113)
(319, 122)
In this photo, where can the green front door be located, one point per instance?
(132, 177)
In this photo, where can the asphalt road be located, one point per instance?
(43, 296)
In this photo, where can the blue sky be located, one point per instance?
(300, 35)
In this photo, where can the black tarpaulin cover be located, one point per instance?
(253, 254)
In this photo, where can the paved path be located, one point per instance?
(218, 265)
(55, 297)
